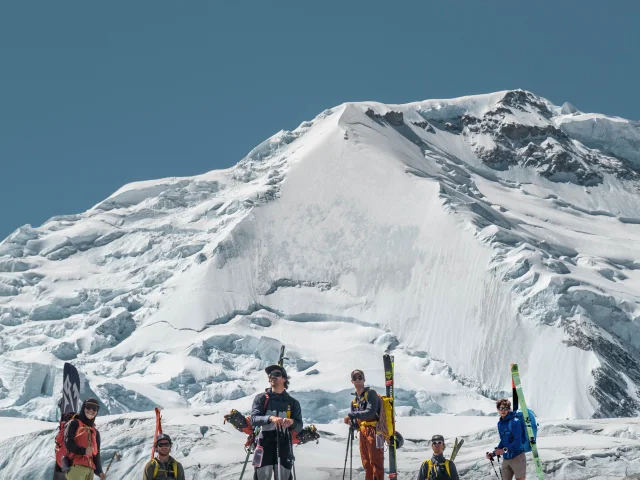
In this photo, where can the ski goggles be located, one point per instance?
(91, 407)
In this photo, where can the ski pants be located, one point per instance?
(269, 466)
(80, 472)
(372, 457)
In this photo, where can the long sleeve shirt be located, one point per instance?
(163, 469)
(270, 404)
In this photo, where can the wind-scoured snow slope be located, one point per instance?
(571, 450)
(461, 235)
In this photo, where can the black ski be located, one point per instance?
(68, 405)
(388, 377)
(70, 401)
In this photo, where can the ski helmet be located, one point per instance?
(163, 436)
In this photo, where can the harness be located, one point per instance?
(156, 469)
(356, 405)
(431, 468)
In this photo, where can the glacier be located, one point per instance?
(461, 235)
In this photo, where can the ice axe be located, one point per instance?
(117, 457)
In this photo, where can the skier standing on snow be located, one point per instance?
(164, 466)
(82, 442)
(364, 410)
(438, 467)
(512, 438)
(279, 414)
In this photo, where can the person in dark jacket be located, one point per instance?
(164, 465)
(82, 441)
(512, 439)
(365, 409)
(278, 414)
(438, 467)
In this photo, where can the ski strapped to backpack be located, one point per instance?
(390, 421)
(456, 448)
(158, 432)
(515, 375)
(68, 405)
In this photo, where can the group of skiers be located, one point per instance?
(279, 418)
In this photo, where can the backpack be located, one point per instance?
(430, 467)
(385, 426)
(526, 446)
(156, 468)
(61, 449)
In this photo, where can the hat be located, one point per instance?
(435, 438)
(163, 436)
(273, 368)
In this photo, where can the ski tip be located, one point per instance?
(514, 368)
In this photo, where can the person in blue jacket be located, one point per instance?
(511, 428)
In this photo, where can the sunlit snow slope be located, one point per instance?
(461, 235)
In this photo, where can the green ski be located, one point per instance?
(515, 375)
(456, 449)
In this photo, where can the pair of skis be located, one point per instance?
(518, 395)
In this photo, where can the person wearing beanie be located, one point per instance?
(278, 414)
(438, 467)
(164, 465)
(82, 441)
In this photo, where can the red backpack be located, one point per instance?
(61, 450)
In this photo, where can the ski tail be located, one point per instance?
(456, 449)
(158, 432)
(70, 401)
(515, 393)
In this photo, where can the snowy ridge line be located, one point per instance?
(481, 231)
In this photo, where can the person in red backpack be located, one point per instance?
(82, 441)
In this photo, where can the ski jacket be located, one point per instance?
(438, 468)
(157, 470)
(282, 405)
(79, 434)
(512, 436)
(365, 408)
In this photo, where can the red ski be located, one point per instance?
(158, 432)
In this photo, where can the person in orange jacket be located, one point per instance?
(82, 441)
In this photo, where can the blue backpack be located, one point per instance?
(526, 446)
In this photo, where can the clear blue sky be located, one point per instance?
(94, 95)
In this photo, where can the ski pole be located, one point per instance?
(293, 458)
(492, 464)
(278, 477)
(117, 456)
(500, 467)
(346, 455)
(246, 461)
(351, 461)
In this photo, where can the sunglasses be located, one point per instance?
(503, 409)
(91, 408)
(275, 374)
(357, 377)
(437, 442)
(164, 445)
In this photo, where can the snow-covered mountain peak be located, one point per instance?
(460, 234)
